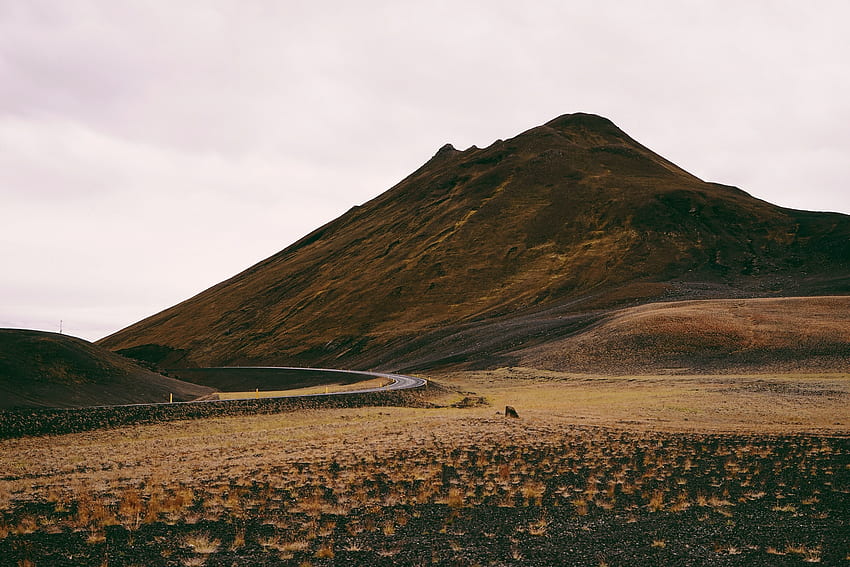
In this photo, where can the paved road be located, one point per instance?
(399, 381)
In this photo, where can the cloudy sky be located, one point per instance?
(151, 149)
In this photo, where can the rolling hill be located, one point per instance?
(39, 369)
(788, 334)
(482, 254)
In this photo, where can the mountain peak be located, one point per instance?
(582, 120)
(589, 129)
(446, 150)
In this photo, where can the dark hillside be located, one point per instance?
(39, 369)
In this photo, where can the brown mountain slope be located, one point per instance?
(480, 252)
(51, 370)
(778, 334)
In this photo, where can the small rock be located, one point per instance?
(511, 412)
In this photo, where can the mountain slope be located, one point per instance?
(51, 370)
(483, 251)
(708, 336)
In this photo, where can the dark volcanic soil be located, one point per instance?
(576, 497)
(438, 534)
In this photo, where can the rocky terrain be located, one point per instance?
(431, 486)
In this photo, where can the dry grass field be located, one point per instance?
(642, 470)
(331, 388)
(722, 403)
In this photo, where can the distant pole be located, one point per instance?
(170, 398)
(60, 326)
(257, 393)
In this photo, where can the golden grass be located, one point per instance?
(186, 454)
(781, 403)
(187, 451)
(325, 389)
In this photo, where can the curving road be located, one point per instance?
(399, 381)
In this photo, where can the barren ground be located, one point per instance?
(641, 470)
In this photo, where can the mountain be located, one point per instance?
(52, 370)
(482, 253)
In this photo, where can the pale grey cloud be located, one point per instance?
(151, 149)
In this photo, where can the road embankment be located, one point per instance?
(51, 421)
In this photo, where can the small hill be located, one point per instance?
(52, 370)
(482, 252)
(778, 334)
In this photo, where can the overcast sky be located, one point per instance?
(151, 149)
